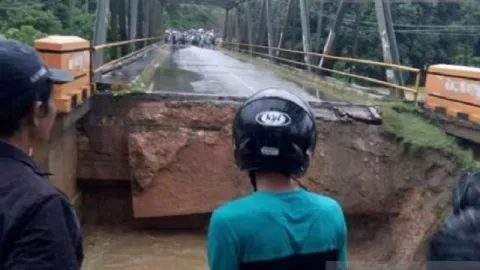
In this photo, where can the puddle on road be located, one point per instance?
(123, 249)
(173, 79)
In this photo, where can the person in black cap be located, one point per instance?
(281, 225)
(38, 226)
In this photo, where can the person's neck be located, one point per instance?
(19, 141)
(274, 182)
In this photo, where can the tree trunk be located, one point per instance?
(133, 20)
(122, 24)
(140, 23)
(146, 19)
(113, 35)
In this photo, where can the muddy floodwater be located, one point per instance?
(126, 249)
(121, 248)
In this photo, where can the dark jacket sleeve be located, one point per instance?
(456, 245)
(46, 239)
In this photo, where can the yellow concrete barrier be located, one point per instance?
(73, 54)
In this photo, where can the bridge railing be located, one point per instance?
(262, 51)
(102, 67)
(113, 64)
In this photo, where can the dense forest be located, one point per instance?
(429, 31)
(26, 20)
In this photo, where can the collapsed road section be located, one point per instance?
(166, 159)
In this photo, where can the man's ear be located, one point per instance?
(36, 114)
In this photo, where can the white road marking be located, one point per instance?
(243, 83)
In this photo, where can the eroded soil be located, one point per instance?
(393, 198)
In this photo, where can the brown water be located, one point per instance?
(125, 249)
(115, 248)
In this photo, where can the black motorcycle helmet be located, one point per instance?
(274, 131)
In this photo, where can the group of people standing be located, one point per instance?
(196, 37)
(281, 225)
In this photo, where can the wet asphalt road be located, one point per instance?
(210, 71)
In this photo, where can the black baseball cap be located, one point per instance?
(22, 69)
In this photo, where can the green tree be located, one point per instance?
(26, 34)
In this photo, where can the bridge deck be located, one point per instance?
(208, 71)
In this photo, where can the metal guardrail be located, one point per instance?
(125, 42)
(238, 47)
(104, 68)
(116, 44)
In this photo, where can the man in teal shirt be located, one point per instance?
(279, 226)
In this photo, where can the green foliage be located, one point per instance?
(26, 34)
(82, 24)
(42, 20)
(192, 16)
(417, 46)
(30, 21)
(417, 133)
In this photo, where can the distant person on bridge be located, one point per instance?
(166, 36)
(174, 40)
(457, 245)
(38, 226)
(281, 225)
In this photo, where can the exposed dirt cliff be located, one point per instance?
(178, 154)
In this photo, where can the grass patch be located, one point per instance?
(406, 123)
(418, 133)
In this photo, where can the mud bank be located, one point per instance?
(173, 159)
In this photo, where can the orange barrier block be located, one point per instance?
(73, 54)
(454, 91)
